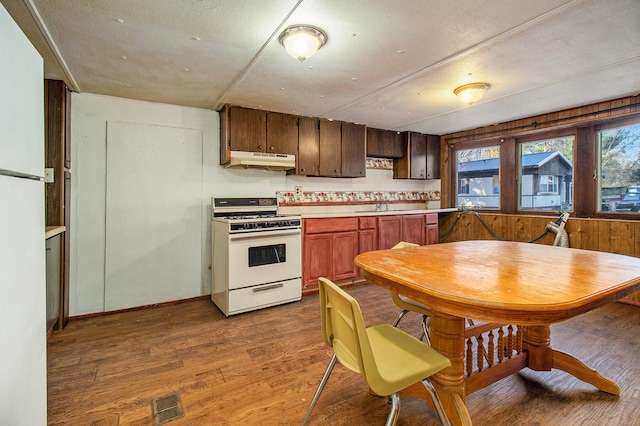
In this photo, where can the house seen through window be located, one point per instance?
(546, 174)
(478, 178)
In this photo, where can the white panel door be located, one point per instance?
(153, 214)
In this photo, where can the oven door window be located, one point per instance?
(267, 255)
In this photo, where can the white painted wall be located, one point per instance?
(89, 117)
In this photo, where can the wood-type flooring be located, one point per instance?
(262, 368)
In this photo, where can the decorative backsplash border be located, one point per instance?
(379, 163)
(287, 198)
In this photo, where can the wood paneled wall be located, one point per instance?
(607, 235)
(573, 117)
(55, 132)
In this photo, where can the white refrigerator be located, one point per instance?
(23, 350)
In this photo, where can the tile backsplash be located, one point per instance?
(354, 197)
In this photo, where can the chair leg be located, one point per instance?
(436, 402)
(395, 410)
(400, 315)
(323, 381)
(426, 319)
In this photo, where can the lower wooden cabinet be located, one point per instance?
(389, 231)
(407, 228)
(413, 229)
(345, 249)
(330, 245)
(431, 229)
(316, 260)
(367, 234)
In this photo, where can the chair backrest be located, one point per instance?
(343, 327)
(404, 244)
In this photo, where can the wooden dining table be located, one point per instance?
(501, 282)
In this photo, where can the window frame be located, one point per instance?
(597, 193)
(585, 187)
(540, 137)
(454, 170)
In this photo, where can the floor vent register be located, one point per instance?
(166, 408)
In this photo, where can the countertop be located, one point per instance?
(357, 211)
(52, 231)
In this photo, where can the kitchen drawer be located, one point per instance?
(369, 222)
(262, 296)
(338, 224)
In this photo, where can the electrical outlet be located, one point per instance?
(298, 190)
(48, 175)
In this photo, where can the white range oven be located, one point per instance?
(256, 255)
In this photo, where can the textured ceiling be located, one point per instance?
(387, 63)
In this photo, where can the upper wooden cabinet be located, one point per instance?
(322, 147)
(433, 157)
(253, 130)
(384, 143)
(282, 133)
(421, 159)
(330, 148)
(243, 129)
(308, 146)
(353, 150)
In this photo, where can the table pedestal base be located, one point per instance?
(537, 341)
(447, 337)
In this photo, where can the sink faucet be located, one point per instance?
(382, 203)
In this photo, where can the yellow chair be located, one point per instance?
(388, 358)
(410, 305)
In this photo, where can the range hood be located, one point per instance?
(261, 160)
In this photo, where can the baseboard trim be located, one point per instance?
(629, 302)
(139, 308)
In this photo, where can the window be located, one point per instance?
(585, 161)
(619, 169)
(548, 185)
(478, 177)
(546, 174)
(463, 186)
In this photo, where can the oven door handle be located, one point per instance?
(262, 234)
(268, 287)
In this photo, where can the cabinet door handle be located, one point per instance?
(259, 146)
(271, 148)
(268, 287)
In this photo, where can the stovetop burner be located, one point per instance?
(251, 214)
(254, 216)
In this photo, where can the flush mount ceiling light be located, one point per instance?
(302, 41)
(470, 93)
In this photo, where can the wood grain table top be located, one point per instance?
(503, 281)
